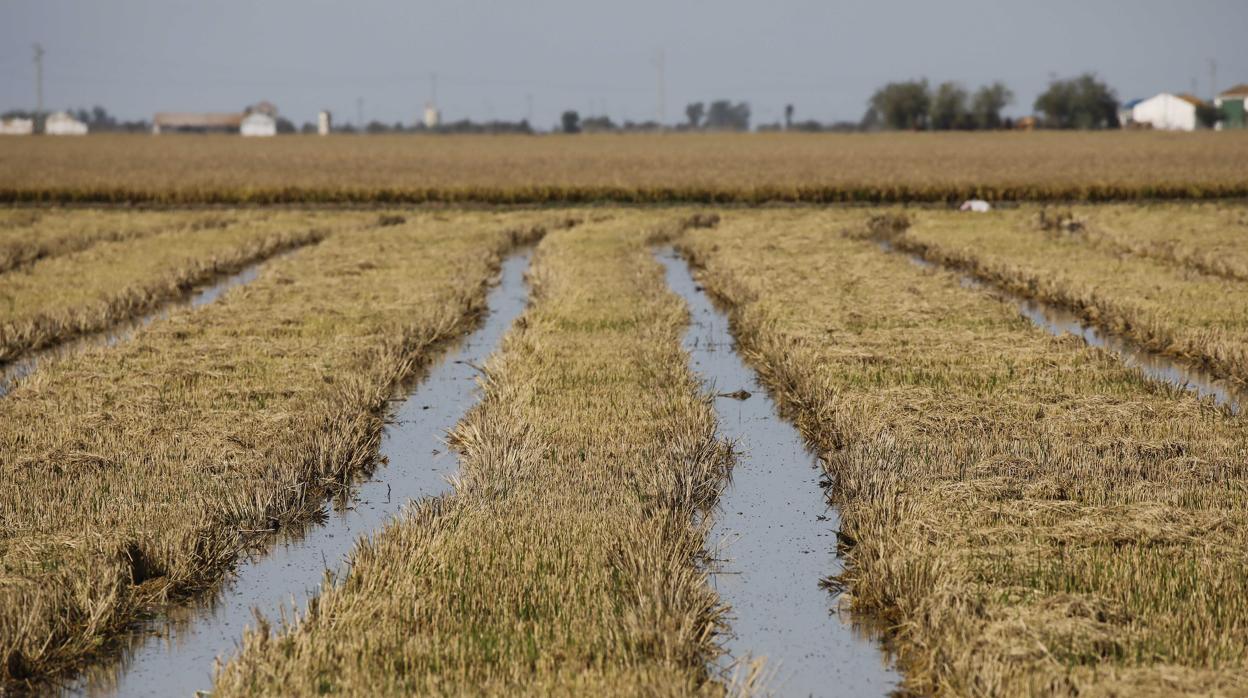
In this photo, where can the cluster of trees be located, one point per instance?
(719, 115)
(1082, 102)
(914, 105)
(461, 126)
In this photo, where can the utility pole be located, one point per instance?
(38, 83)
(1213, 79)
(528, 108)
(433, 88)
(659, 64)
(359, 113)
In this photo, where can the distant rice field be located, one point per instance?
(632, 168)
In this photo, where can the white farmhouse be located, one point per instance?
(258, 124)
(17, 127)
(1167, 112)
(63, 124)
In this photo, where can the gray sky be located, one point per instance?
(136, 57)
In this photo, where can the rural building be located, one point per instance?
(324, 122)
(1230, 105)
(64, 124)
(190, 122)
(17, 127)
(258, 124)
(1167, 112)
(433, 117)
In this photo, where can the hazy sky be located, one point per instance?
(492, 58)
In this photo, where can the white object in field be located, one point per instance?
(258, 124)
(976, 205)
(63, 124)
(433, 117)
(17, 127)
(1167, 112)
(324, 121)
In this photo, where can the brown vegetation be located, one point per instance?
(1031, 516)
(62, 297)
(1156, 299)
(637, 168)
(567, 559)
(134, 474)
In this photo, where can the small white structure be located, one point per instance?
(433, 117)
(17, 127)
(324, 122)
(975, 206)
(1167, 112)
(258, 124)
(63, 124)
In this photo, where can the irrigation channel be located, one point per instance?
(13, 372)
(1057, 320)
(175, 654)
(779, 531)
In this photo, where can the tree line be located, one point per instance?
(1083, 102)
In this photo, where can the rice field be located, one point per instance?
(689, 168)
(1016, 512)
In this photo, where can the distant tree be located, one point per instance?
(788, 116)
(376, 127)
(307, 127)
(597, 123)
(724, 115)
(987, 104)
(571, 122)
(694, 113)
(948, 108)
(1083, 102)
(285, 125)
(902, 105)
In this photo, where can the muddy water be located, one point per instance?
(13, 372)
(175, 656)
(778, 533)
(1058, 321)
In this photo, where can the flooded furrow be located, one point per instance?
(14, 371)
(1057, 320)
(176, 655)
(778, 532)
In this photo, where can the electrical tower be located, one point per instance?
(38, 82)
(661, 102)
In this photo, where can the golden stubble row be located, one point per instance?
(1029, 516)
(133, 474)
(566, 560)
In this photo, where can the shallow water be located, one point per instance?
(779, 533)
(13, 372)
(1058, 321)
(175, 656)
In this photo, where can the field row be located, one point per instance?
(1031, 516)
(1176, 289)
(638, 168)
(136, 472)
(1025, 512)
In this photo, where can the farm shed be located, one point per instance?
(1231, 105)
(258, 124)
(196, 122)
(1167, 112)
(63, 124)
(17, 127)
